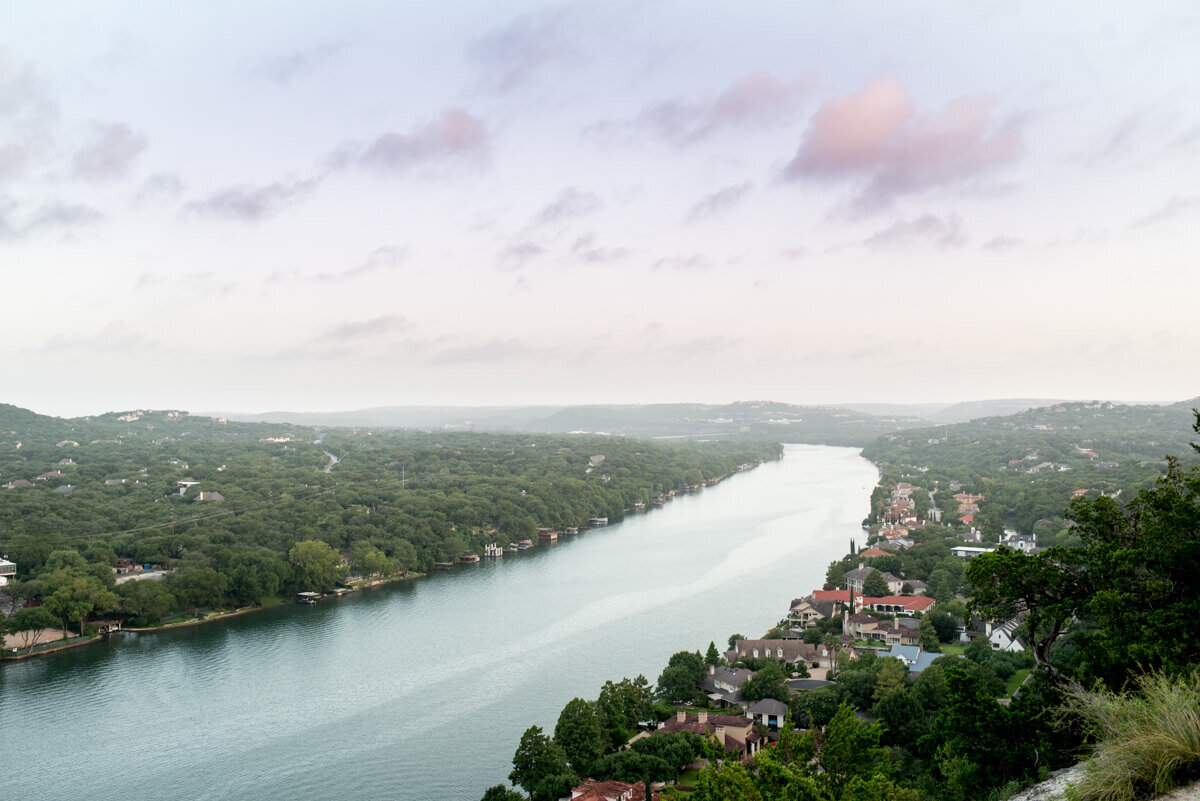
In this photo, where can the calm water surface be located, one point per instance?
(421, 690)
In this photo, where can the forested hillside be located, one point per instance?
(200, 494)
(1028, 466)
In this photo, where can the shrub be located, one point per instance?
(1149, 738)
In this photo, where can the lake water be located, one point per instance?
(421, 690)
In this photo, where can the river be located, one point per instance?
(421, 690)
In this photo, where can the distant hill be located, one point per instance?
(965, 411)
(778, 422)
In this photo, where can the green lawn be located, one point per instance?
(688, 777)
(1014, 681)
(954, 648)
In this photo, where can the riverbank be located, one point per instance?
(12, 647)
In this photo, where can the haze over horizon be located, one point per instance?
(272, 207)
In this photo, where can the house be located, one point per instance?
(913, 587)
(51, 474)
(210, 496)
(7, 571)
(1025, 543)
(898, 604)
(967, 552)
(790, 651)
(736, 734)
(19, 483)
(592, 790)
(872, 552)
(769, 712)
(724, 685)
(860, 626)
(807, 611)
(1002, 636)
(913, 657)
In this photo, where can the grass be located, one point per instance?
(1014, 681)
(688, 778)
(1149, 738)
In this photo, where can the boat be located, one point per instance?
(598, 521)
(523, 544)
(468, 559)
(442, 565)
(511, 547)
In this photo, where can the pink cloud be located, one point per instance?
(754, 100)
(879, 135)
(456, 135)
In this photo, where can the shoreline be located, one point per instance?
(197, 621)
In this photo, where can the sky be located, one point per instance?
(245, 207)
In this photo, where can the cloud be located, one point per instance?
(878, 135)
(585, 250)
(756, 100)
(1175, 207)
(110, 154)
(159, 187)
(926, 228)
(27, 115)
(693, 262)
(518, 255)
(720, 201)
(381, 259)
(527, 46)
(1002, 243)
(490, 351)
(250, 203)
(285, 69)
(457, 136)
(569, 203)
(364, 329)
(51, 215)
(116, 337)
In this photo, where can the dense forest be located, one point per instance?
(242, 512)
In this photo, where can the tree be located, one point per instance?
(892, 674)
(875, 585)
(537, 757)
(733, 639)
(848, 748)
(976, 746)
(768, 682)
(680, 680)
(622, 706)
(712, 656)
(501, 793)
(145, 598)
(816, 707)
(943, 623)
(195, 587)
(833, 645)
(901, 715)
(927, 635)
(77, 600)
(317, 566)
(579, 734)
(28, 623)
(1050, 587)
